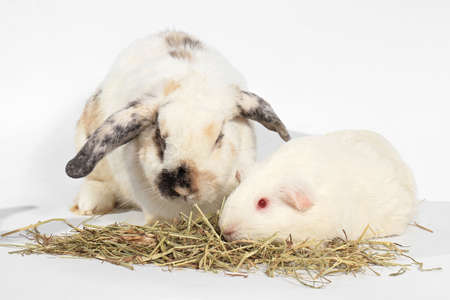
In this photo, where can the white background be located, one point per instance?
(323, 65)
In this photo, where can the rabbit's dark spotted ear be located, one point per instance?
(118, 129)
(253, 107)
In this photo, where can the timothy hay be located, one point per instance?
(196, 243)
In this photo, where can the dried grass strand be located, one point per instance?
(195, 242)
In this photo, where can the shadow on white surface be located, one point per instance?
(7, 212)
(268, 141)
(421, 243)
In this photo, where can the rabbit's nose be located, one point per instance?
(182, 191)
(175, 183)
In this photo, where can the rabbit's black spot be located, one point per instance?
(218, 141)
(107, 139)
(96, 96)
(84, 162)
(264, 114)
(192, 43)
(160, 143)
(263, 111)
(110, 120)
(181, 39)
(167, 181)
(159, 139)
(133, 104)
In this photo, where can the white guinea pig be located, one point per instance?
(318, 186)
(181, 112)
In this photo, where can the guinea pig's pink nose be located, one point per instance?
(229, 232)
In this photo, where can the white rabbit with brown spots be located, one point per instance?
(168, 127)
(320, 186)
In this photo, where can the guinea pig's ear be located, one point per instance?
(118, 129)
(253, 107)
(296, 198)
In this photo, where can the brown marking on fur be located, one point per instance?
(210, 131)
(238, 176)
(162, 126)
(92, 117)
(181, 54)
(76, 210)
(178, 39)
(170, 87)
(145, 142)
(148, 140)
(194, 175)
(181, 45)
(233, 149)
(175, 38)
(206, 176)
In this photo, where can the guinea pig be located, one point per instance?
(168, 127)
(317, 187)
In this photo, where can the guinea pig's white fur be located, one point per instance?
(318, 186)
(181, 112)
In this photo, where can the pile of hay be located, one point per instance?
(196, 243)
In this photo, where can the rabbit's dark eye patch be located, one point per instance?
(160, 142)
(219, 139)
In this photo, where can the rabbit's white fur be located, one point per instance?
(318, 186)
(172, 88)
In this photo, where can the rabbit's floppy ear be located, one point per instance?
(118, 129)
(253, 107)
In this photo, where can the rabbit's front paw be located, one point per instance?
(94, 199)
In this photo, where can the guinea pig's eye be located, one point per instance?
(262, 203)
(219, 140)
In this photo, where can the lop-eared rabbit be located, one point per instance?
(168, 127)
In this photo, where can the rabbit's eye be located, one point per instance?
(219, 139)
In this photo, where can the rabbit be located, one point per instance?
(168, 127)
(322, 187)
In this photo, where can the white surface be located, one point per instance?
(324, 65)
(46, 277)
